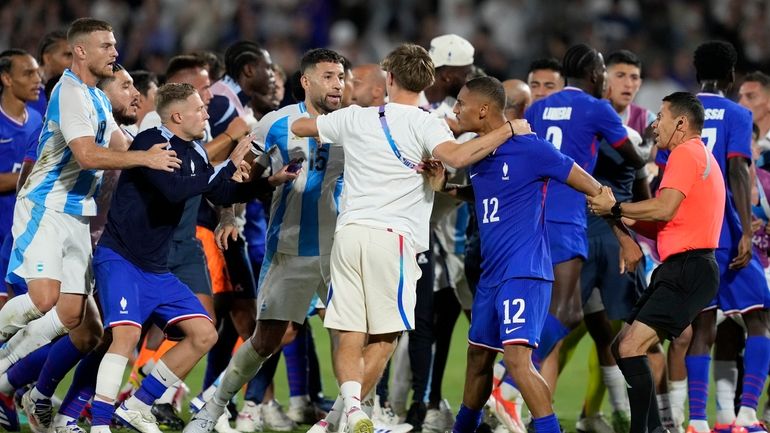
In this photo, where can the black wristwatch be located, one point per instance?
(615, 211)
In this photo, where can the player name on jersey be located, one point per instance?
(557, 113)
(715, 113)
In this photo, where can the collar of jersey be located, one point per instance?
(572, 88)
(710, 94)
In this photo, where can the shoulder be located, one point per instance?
(147, 138)
(219, 105)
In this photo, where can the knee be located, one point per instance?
(478, 359)
(203, 339)
(44, 300)
(87, 336)
(70, 319)
(627, 347)
(518, 362)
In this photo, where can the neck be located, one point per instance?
(435, 94)
(620, 109)
(401, 96)
(491, 123)
(582, 84)
(688, 136)
(85, 75)
(312, 109)
(712, 86)
(14, 107)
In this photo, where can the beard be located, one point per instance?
(100, 73)
(325, 107)
(123, 118)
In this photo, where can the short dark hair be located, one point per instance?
(686, 104)
(143, 80)
(295, 86)
(579, 61)
(170, 93)
(6, 61)
(477, 72)
(184, 62)
(319, 55)
(411, 67)
(49, 40)
(240, 54)
(84, 26)
(714, 60)
(624, 57)
(105, 81)
(758, 77)
(548, 63)
(489, 87)
(215, 64)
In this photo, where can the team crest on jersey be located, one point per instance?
(505, 171)
(40, 266)
(192, 167)
(123, 305)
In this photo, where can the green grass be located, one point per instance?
(568, 400)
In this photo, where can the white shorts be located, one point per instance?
(50, 244)
(287, 284)
(374, 280)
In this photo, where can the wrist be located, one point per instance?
(513, 133)
(617, 211)
(232, 139)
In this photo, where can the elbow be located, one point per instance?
(86, 163)
(665, 215)
(456, 161)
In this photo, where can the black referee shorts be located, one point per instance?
(680, 289)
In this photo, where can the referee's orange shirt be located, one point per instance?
(693, 171)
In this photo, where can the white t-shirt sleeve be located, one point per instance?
(75, 121)
(434, 132)
(330, 126)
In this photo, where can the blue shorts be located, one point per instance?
(601, 270)
(20, 287)
(511, 313)
(130, 296)
(743, 290)
(567, 241)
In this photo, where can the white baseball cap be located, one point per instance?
(451, 50)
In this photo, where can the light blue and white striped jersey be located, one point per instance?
(57, 181)
(304, 212)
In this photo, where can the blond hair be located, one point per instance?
(411, 66)
(170, 93)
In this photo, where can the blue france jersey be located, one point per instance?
(303, 213)
(15, 139)
(575, 122)
(727, 133)
(510, 188)
(57, 181)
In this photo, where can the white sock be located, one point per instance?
(616, 387)
(335, 414)
(700, 425)
(508, 391)
(100, 429)
(109, 377)
(746, 416)
(147, 367)
(16, 313)
(299, 400)
(164, 375)
(37, 395)
(35, 335)
(351, 394)
(725, 379)
(243, 366)
(5, 386)
(664, 409)
(168, 396)
(367, 405)
(61, 420)
(677, 394)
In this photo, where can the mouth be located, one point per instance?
(626, 94)
(334, 99)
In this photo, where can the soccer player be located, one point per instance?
(52, 245)
(685, 218)
(19, 131)
(512, 296)
(383, 221)
(368, 85)
(742, 285)
(300, 231)
(151, 202)
(755, 95)
(574, 120)
(545, 78)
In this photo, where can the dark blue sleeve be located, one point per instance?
(550, 162)
(225, 191)
(608, 124)
(739, 138)
(221, 113)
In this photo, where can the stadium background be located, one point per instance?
(507, 35)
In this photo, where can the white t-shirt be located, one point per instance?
(380, 191)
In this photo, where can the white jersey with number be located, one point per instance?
(57, 181)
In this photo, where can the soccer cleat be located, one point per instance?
(757, 427)
(303, 414)
(275, 419)
(249, 418)
(727, 428)
(9, 417)
(319, 427)
(165, 415)
(416, 415)
(595, 423)
(69, 428)
(143, 422)
(621, 421)
(691, 429)
(358, 422)
(39, 412)
(204, 421)
(223, 425)
(505, 411)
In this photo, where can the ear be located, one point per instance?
(248, 70)
(79, 51)
(483, 111)
(304, 80)
(176, 118)
(5, 78)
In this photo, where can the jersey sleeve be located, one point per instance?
(661, 157)
(739, 137)
(330, 126)
(681, 172)
(74, 120)
(551, 163)
(435, 131)
(221, 113)
(33, 140)
(609, 125)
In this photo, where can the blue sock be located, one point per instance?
(698, 384)
(756, 362)
(83, 385)
(256, 387)
(66, 356)
(467, 420)
(150, 390)
(101, 413)
(547, 424)
(553, 332)
(28, 368)
(295, 354)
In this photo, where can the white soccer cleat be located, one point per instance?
(39, 412)
(143, 422)
(204, 421)
(505, 411)
(275, 419)
(358, 422)
(303, 414)
(319, 427)
(69, 428)
(595, 423)
(249, 419)
(223, 425)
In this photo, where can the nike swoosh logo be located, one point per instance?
(6, 140)
(509, 330)
(473, 175)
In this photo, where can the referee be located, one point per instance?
(685, 217)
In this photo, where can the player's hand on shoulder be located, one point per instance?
(434, 172)
(520, 126)
(283, 175)
(161, 157)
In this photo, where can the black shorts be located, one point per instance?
(187, 262)
(239, 268)
(680, 288)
